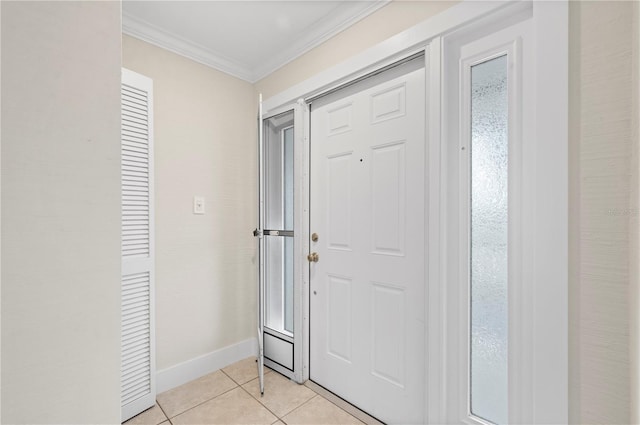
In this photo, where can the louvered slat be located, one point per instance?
(135, 335)
(137, 340)
(135, 172)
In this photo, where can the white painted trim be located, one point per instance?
(195, 368)
(261, 246)
(390, 50)
(503, 43)
(150, 33)
(550, 215)
(312, 38)
(435, 379)
(538, 303)
(301, 243)
(306, 229)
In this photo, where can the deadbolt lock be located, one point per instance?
(314, 237)
(313, 257)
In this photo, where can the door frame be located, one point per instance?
(546, 397)
(300, 240)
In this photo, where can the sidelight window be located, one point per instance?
(488, 240)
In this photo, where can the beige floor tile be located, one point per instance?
(186, 396)
(319, 411)
(281, 395)
(152, 416)
(244, 370)
(349, 408)
(233, 407)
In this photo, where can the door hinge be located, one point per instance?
(257, 233)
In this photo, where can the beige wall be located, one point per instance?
(204, 145)
(634, 262)
(390, 20)
(601, 148)
(60, 212)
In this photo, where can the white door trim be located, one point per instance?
(548, 362)
(392, 49)
(435, 190)
(551, 214)
(487, 48)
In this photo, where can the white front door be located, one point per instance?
(367, 207)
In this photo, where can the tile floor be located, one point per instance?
(232, 396)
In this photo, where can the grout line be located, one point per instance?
(237, 385)
(229, 376)
(166, 417)
(267, 370)
(261, 403)
(342, 404)
(288, 413)
(274, 413)
(206, 401)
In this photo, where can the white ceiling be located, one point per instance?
(247, 39)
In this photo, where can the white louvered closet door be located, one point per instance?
(138, 390)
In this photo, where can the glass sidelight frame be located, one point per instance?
(491, 224)
(488, 244)
(281, 246)
(279, 233)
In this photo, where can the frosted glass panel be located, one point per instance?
(489, 153)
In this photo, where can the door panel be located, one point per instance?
(367, 206)
(279, 242)
(138, 374)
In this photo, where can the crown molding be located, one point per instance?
(322, 32)
(316, 35)
(152, 34)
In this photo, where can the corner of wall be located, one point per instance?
(574, 212)
(60, 212)
(204, 146)
(634, 228)
(604, 174)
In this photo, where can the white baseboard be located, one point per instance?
(184, 372)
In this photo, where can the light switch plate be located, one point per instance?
(198, 205)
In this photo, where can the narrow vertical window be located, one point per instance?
(287, 141)
(488, 241)
(279, 215)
